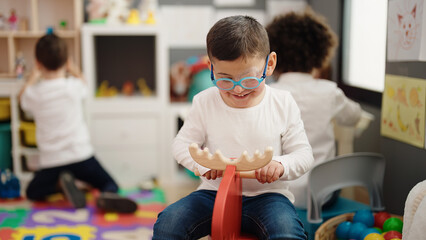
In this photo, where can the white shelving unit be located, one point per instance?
(34, 17)
(127, 132)
(9, 88)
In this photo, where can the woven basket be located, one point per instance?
(327, 229)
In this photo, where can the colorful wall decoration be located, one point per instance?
(403, 109)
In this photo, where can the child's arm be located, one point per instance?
(297, 158)
(34, 76)
(348, 112)
(74, 70)
(192, 131)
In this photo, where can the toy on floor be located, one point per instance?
(148, 184)
(380, 218)
(9, 185)
(368, 226)
(392, 224)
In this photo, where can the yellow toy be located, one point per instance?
(133, 17)
(143, 87)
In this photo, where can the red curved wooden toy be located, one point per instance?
(226, 220)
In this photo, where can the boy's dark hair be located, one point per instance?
(302, 41)
(51, 51)
(237, 36)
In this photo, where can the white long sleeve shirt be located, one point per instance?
(61, 132)
(274, 122)
(320, 102)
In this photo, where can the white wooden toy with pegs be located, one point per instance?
(245, 164)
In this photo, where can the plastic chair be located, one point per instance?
(355, 169)
(226, 220)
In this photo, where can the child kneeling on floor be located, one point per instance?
(66, 153)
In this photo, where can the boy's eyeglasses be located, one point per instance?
(246, 83)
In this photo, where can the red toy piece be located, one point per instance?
(392, 235)
(226, 221)
(380, 218)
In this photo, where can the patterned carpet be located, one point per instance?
(56, 219)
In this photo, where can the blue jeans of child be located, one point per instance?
(45, 181)
(267, 216)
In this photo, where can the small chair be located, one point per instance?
(226, 221)
(355, 169)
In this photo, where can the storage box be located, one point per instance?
(5, 146)
(27, 132)
(4, 109)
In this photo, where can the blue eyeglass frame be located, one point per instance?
(238, 83)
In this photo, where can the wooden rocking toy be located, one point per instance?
(226, 220)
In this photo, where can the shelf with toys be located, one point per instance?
(22, 23)
(128, 97)
(24, 158)
(26, 21)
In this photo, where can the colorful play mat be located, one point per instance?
(57, 219)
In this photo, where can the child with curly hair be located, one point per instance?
(304, 44)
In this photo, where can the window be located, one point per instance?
(364, 44)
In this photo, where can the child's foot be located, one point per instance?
(112, 202)
(72, 193)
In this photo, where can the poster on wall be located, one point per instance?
(406, 30)
(403, 109)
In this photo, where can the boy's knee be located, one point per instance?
(171, 216)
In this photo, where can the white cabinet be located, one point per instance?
(128, 99)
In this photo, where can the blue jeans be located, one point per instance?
(45, 181)
(267, 216)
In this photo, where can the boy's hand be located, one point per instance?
(72, 69)
(213, 174)
(270, 173)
